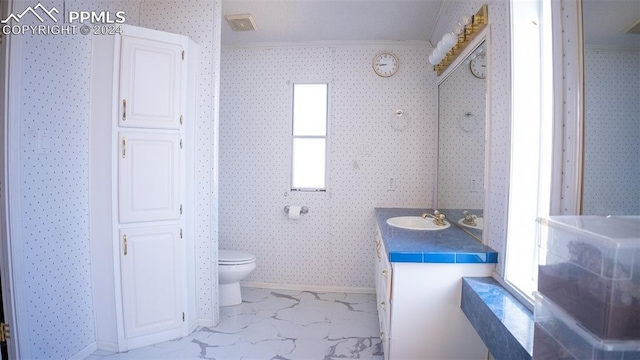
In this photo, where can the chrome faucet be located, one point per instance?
(438, 218)
(469, 219)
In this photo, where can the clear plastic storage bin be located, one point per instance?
(589, 266)
(559, 336)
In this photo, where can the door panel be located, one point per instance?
(149, 177)
(151, 83)
(151, 279)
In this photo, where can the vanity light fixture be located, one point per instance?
(454, 43)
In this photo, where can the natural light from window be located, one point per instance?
(309, 137)
(531, 135)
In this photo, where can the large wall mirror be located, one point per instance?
(611, 173)
(462, 111)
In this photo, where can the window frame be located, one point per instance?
(544, 192)
(325, 137)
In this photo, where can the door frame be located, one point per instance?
(11, 269)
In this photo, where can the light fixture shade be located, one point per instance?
(450, 39)
(432, 59)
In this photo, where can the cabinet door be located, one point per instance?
(149, 176)
(150, 83)
(150, 260)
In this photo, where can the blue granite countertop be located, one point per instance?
(503, 323)
(451, 245)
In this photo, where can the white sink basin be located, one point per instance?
(415, 223)
(479, 224)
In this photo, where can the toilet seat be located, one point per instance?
(233, 257)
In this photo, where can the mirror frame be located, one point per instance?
(483, 36)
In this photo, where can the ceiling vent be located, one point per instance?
(634, 28)
(243, 22)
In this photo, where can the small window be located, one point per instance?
(309, 137)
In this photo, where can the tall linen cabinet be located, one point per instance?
(141, 187)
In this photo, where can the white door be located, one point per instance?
(151, 279)
(149, 176)
(150, 83)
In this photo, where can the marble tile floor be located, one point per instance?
(279, 325)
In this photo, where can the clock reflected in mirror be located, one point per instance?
(478, 66)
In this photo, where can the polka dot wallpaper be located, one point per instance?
(54, 239)
(54, 193)
(499, 87)
(196, 19)
(612, 130)
(331, 245)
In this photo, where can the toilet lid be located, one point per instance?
(229, 257)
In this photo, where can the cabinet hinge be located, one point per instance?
(180, 143)
(180, 233)
(181, 120)
(182, 54)
(4, 332)
(182, 317)
(180, 209)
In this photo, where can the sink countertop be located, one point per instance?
(451, 245)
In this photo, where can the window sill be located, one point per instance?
(503, 323)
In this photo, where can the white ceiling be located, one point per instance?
(394, 20)
(604, 20)
(332, 20)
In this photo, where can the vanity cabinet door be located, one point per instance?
(383, 277)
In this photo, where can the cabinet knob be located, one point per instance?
(384, 273)
(381, 335)
(383, 305)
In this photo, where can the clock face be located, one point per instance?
(478, 66)
(385, 64)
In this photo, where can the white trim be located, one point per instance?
(82, 354)
(333, 44)
(521, 297)
(206, 323)
(568, 200)
(487, 136)
(314, 288)
(15, 308)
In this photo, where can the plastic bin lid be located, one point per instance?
(623, 230)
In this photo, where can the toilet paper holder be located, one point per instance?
(304, 210)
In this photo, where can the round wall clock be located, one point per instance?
(478, 66)
(385, 63)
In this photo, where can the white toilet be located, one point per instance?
(233, 266)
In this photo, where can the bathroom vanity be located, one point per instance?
(418, 279)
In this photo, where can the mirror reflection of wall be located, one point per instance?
(461, 130)
(611, 183)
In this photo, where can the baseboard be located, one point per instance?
(82, 354)
(193, 326)
(314, 288)
(206, 323)
(108, 346)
